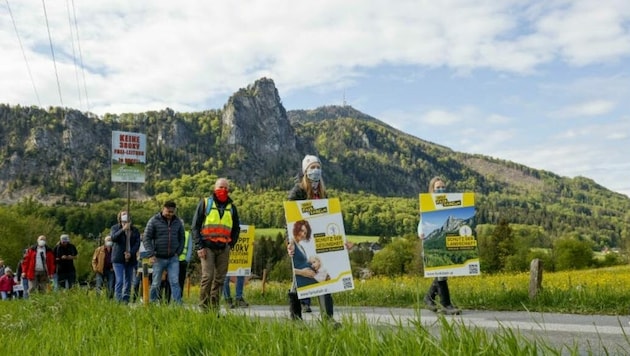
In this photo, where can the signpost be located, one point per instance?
(128, 165)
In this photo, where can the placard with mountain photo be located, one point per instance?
(449, 246)
(321, 264)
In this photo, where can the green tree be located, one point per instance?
(394, 259)
(572, 254)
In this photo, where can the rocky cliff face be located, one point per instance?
(259, 130)
(258, 123)
(55, 152)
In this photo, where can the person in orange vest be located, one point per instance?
(215, 230)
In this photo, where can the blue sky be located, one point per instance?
(542, 83)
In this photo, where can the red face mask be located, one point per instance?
(221, 194)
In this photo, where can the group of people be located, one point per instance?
(40, 268)
(215, 231)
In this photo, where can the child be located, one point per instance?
(6, 284)
(321, 273)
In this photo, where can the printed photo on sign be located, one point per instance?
(242, 255)
(449, 245)
(320, 261)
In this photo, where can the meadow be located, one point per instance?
(78, 322)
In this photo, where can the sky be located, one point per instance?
(542, 83)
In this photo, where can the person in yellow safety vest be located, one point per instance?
(215, 230)
(184, 259)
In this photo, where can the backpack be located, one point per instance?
(209, 206)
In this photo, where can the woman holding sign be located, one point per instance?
(440, 284)
(310, 186)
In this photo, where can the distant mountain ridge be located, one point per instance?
(60, 154)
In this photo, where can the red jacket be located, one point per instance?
(6, 283)
(28, 265)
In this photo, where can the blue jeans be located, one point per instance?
(25, 287)
(107, 277)
(171, 265)
(240, 282)
(124, 275)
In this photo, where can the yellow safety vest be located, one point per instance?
(216, 228)
(182, 256)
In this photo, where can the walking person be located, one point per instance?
(439, 286)
(239, 301)
(184, 258)
(65, 254)
(23, 293)
(38, 266)
(164, 241)
(7, 281)
(309, 186)
(103, 267)
(126, 243)
(215, 231)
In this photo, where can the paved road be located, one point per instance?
(597, 333)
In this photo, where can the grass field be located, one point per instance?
(78, 322)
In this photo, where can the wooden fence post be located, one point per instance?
(535, 277)
(264, 280)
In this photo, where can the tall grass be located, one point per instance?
(78, 323)
(597, 291)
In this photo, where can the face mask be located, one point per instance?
(314, 174)
(41, 242)
(108, 243)
(221, 194)
(440, 190)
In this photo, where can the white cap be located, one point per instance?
(308, 160)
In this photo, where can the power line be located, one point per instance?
(52, 51)
(76, 27)
(74, 56)
(28, 67)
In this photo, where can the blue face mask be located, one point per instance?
(439, 190)
(314, 174)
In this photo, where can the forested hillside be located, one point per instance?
(61, 157)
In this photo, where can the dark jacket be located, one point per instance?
(200, 217)
(120, 244)
(164, 239)
(298, 193)
(65, 266)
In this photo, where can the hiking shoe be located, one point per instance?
(231, 303)
(430, 304)
(306, 308)
(241, 303)
(451, 310)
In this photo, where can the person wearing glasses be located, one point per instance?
(439, 286)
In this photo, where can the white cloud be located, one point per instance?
(142, 56)
(590, 108)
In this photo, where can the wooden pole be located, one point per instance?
(264, 280)
(535, 277)
(145, 283)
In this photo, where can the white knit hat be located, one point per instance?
(308, 160)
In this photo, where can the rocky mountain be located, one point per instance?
(58, 155)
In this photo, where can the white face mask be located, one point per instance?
(108, 243)
(41, 242)
(314, 174)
